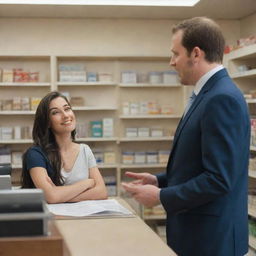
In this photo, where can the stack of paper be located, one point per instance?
(90, 208)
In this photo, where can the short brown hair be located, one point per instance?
(204, 33)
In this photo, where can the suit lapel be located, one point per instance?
(209, 84)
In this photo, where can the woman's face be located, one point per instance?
(61, 116)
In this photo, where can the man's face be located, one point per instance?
(180, 60)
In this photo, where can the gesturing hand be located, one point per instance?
(147, 195)
(142, 178)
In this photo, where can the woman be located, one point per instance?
(64, 170)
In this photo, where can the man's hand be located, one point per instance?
(148, 195)
(143, 178)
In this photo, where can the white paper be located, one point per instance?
(109, 207)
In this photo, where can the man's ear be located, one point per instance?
(197, 54)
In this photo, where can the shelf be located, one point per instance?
(149, 85)
(247, 52)
(21, 85)
(22, 141)
(252, 212)
(252, 242)
(251, 100)
(154, 217)
(16, 166)
(107, 166)
(166, 138)
(244, 74)
(252, 174)
(17, 112)
(101, 139)
(93, 108)
(253, 148)
(150, 116)
(85, 84)
(139, 166)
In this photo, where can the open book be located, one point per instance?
(90, 208)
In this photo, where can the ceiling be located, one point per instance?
(216, 9)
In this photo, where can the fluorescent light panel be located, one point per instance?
(105, 2)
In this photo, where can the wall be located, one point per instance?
(94, 36)
(248, 26)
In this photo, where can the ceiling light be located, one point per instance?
(105, 2)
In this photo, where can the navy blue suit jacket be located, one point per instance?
(204, 190)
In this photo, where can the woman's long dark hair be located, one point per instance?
(45, 139)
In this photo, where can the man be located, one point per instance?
(204, 190)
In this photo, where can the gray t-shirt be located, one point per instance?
(85, 160)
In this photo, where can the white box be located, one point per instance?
(134, 108)
(156, 132)
(139, 157)
(131, 132)
(17, 132)
(143, 132)
(126, 108)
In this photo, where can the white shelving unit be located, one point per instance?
(235, 62)
(101, 100)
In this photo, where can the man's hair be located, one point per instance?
(204, 33)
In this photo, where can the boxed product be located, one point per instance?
(108, 127)
(139, 157)
(16, 104)
(152, 157)
(35, 102)
(25, 103)
(128, 157)
(153, 108)
(170, 77)
(92, 77)
(105, 77)
(134, 108)
(109, 158)
(17, 158)
(129, 77)
(155, 77)
(7, 76)
(143, 132)
(81, 130)
(166, 109)
(156, 132)
(163, 156)
(131, 132)
(33, 77)
(99, 156)
(96, 128)
(77, 101)
(6, 133)
(17, 132)
(7, 104)
(143, 107)
(126, 108)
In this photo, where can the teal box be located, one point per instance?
(96, 128)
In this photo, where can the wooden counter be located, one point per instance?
(111, 237)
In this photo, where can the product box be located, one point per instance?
(105, 77)
(16, 158)
(109, 158)
(99, 156)
(166, 109)
(92, 77)
(143, 132)
(155, 77)
(156, 132)
(139, 157)
(16, 103)
(134, 108)
(80, 130)
(35, 102)
(7, 76)
(77, 101)
(128, 157)
(163, 156)
(7, 104)
(5, 155)
(25, 103)
(96, 128)
(131, 132)
(126, 108)
(108, 127)
(129, 77)
(152, 157)
(143, 107)
(17, 132)
(6, 133)
(170, 77)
